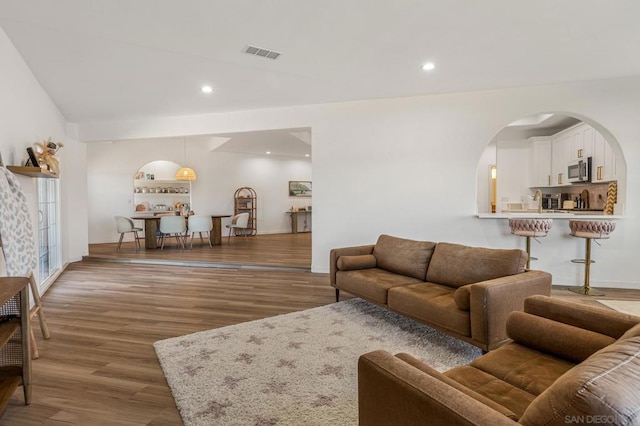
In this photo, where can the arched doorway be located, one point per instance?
(535, 153)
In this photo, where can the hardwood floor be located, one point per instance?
(99, 367)
(275, 250)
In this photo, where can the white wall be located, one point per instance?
(408, 166)
(112, 166)
(28, 115)
(513, 178)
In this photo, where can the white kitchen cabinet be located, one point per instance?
(540, 162)
(582, 138)
(562, 147)
(603, 161)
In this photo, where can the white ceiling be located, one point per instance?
(121, 59)
(540, 125)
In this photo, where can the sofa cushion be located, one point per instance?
(462, 297)
(594, 318)
(605, 387)
(349, 263)
(525, 368)
(431, 304)
(632, 332)
(371, 284)
(566, 341)
(402, 256)
(462, 388)
(456, 265)
(498, 391)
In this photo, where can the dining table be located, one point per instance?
(152, 225)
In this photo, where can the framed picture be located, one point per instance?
(299, 188)
(32, 158)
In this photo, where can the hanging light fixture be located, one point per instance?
(185, 173)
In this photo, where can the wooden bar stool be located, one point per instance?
(530, 227)
(589, 229)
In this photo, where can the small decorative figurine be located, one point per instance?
(46, 154)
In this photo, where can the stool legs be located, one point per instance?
(528, 250)
(586, 289)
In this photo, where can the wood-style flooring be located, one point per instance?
(99, 367)
(274, 250)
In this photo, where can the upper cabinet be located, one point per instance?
(540, 161)
(550, 156)
(603, 161)
(562, 147)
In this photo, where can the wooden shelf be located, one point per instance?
(8, 329)
(36, 172)
(10, 286)
(8, 386)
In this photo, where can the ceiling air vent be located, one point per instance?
(259, 51)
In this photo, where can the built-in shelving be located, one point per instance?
(160, 195)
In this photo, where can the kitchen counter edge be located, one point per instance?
(549, 216)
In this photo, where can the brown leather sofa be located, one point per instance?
(569, 363)
(464, 291)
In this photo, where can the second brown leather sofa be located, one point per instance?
(569, 363)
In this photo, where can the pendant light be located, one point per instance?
(185, 173)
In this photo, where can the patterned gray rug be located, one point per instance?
(294, 369)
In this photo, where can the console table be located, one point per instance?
(14, 339)
(294, 220)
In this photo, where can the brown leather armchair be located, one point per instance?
(569, 363)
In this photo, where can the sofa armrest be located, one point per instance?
(335, 253)
(493, 300)
(392, 392)
(597, 319)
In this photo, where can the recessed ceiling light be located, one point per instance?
(206, 89)
(428, 66)
(268, 152)
(306, 155)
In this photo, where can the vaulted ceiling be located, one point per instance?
(103, 60)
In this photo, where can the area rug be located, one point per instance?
(631, 307)
(293, 369)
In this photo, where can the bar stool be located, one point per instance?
(530, 227)
(589, 229)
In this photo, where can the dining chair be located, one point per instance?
(200, 224)
(239, 221)
(172, 225)
(125, 225)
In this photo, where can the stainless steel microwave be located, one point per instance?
(579, 171)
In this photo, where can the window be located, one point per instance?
(48, 228)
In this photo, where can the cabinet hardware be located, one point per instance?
(580, 153)
(559, 178)
(549, 180)
(599, 173)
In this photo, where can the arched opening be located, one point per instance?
(156, 189)
(545, 152)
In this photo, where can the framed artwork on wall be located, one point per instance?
(299, 188)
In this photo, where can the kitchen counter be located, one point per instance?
(551, 214)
